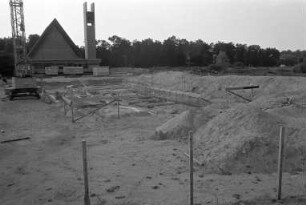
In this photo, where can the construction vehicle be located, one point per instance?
(23, 82)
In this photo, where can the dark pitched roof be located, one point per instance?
(55, 24)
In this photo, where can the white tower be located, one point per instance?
(89, 32)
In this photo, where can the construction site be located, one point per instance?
(133, 136)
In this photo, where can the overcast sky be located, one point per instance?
(268, 23)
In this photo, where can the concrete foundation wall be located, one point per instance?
(100, 70)
(51, 70)
(191, 99)
(73, 70)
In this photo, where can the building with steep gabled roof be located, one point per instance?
(55, 48)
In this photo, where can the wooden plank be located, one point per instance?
(240, 96)
(14, 140)
(242, 88)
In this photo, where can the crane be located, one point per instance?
(23, 81)
(19, 38)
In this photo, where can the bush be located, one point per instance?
(6, 64)
(216, 68)
(300, 68)
(239, 64)
(303, 67)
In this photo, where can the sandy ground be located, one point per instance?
(126, 165)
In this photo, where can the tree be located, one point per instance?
(253, 55)
(169, 51)
(228, 48)
(32, 39)
(200, 53)
(121, 51)
(103, 52)
(271, 57)
(147, 53)
(241, 53)
(291, 58)
(6, 56)
(222, 59)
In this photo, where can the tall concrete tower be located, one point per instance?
(90, 33)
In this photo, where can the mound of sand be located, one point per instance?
(297, 98)
(179, 126)
(240, 137)
(245, 139)
(176, 128)
(213, 87)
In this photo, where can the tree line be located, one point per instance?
(120, 52)
(7, 53)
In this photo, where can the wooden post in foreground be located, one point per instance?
(71, 106)
(280, 161)
(118, 106)
(85, 172)
(191, 166)
(72, 118)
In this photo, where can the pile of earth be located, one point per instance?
(213, 87)
(179, 126)
(246, 139)
(239, 137)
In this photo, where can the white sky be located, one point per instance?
(268, 23)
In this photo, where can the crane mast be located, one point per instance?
(19, 39)
(23, 81)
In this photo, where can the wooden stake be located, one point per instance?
(72, 118)
(71, 106)
(85, 172)
(191, 166)
(65, 109)
(280, 161)
(118, 106)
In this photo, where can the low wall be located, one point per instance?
(73, 70)
(187, 98)
(100, 71)
(51, 70)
